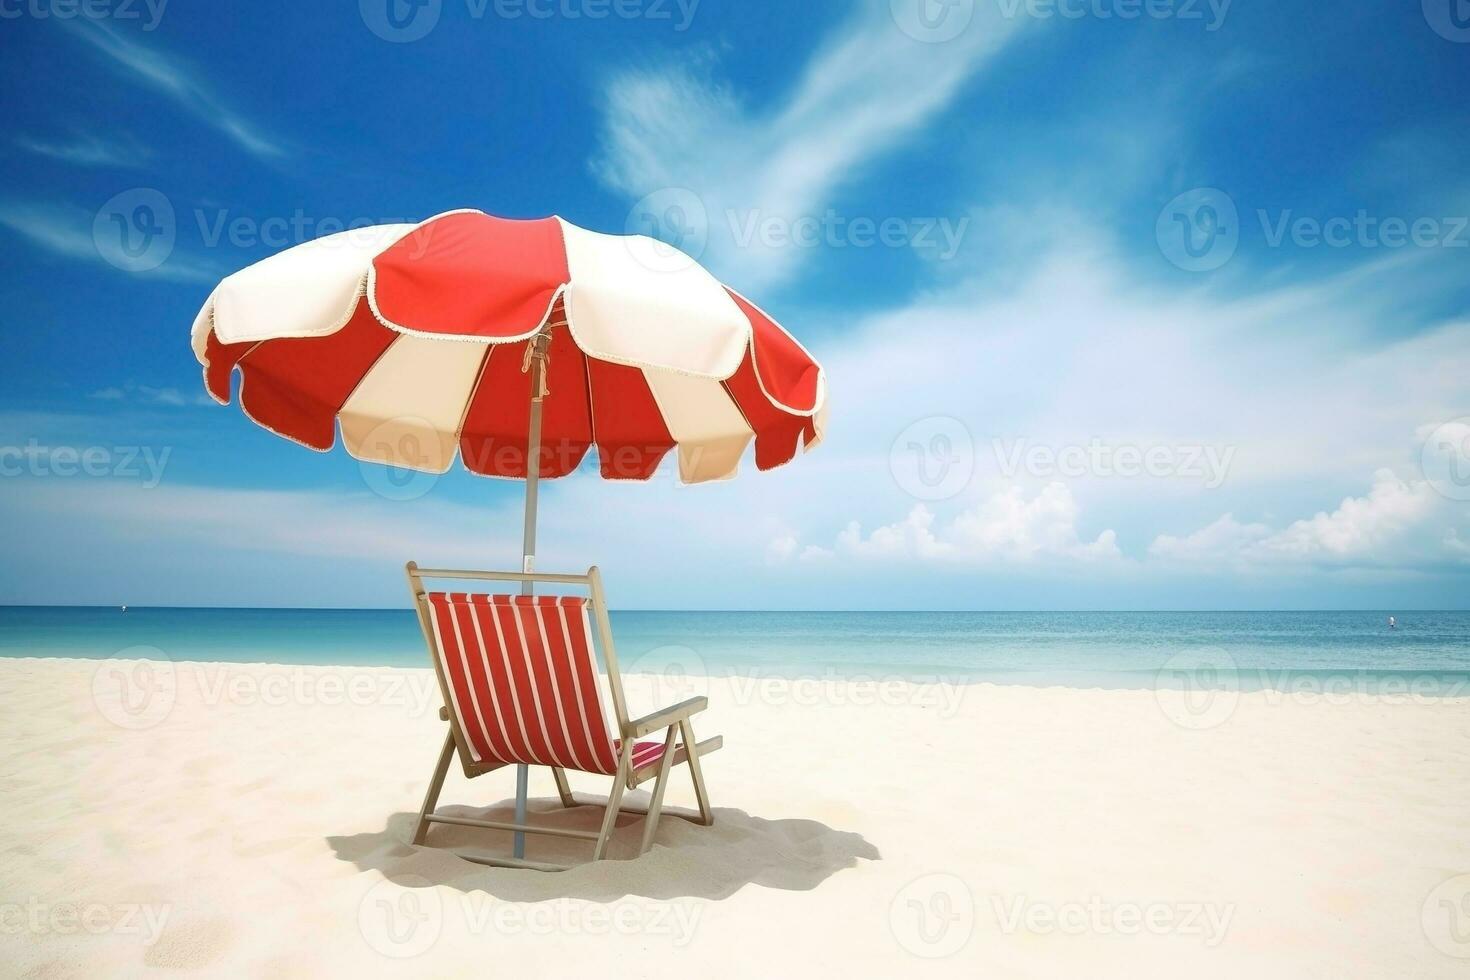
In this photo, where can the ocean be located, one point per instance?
(1081, 649)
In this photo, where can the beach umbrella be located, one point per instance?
(516, 346)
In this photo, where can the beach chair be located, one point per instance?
(520, 684)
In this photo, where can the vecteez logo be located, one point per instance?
(1450, 19)
(400, 21)
(933, 916)
(933, 459)
(401, 917)
(1198, 689)
(135, 231)
(135, 688)
(1445, 917)
(401, 458)
(1199, 230)
(674, 225)
(932, 21)
(1445, 459)
(149, 13)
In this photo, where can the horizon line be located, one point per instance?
(202, 608)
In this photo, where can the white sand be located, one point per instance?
(258, 826)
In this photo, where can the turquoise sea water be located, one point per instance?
(1075, 649)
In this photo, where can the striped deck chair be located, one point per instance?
(520, 684)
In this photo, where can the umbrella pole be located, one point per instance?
(536, 355)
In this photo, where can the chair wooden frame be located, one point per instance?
(680, 745)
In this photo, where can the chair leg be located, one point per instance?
(655, 805)
(686, 732)
(563, 788)
(431, 798)
(614, 797)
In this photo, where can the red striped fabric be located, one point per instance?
(643, 752)
(522, 679)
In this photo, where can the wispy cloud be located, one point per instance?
(88, 150)
(139, 394)
(156, 69)
(67, 231)
(677, 128)
(62, 230)
(300, 523)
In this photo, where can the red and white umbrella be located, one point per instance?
(416, 340)
(478, 336)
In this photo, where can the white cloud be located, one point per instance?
(1008, 524)
(1360, 525)
(861, 95)
(1004, 527)
(1397, 522)
(782, 548)
(1223, 539)
(157, 70)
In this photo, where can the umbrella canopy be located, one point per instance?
(417, 339)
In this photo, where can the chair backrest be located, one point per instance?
(519, 673)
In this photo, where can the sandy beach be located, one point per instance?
(254, 819)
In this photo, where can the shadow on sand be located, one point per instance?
(686, 860)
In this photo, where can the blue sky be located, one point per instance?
(1169, 308)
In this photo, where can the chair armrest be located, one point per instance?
(668, 716)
